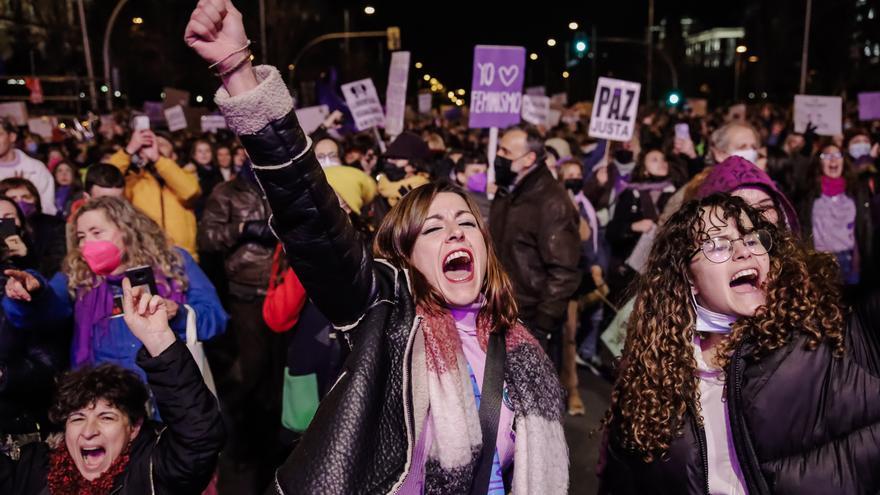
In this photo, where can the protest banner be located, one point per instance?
(614, 109)
(496, 87)
(310, 118)
(536, 109)
(395, 95)
(211, 123)
(364, 104)
(869, 105)
(176, 118)
(825, 113)
(425, 103)
(16, 111)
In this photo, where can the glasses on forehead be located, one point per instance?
(720, 249)
(831, 156)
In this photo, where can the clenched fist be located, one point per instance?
(215, 30)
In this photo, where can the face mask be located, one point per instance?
(504, 175)
(328, 161)
(858, 150)
(574, 185)
(477, 182)
(623, 156)
(710, 321)
(749, 154)
(31, 148)
(103, 257)
(27, 208)
(394, 173)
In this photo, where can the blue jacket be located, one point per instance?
(52, 303)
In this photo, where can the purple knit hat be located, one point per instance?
(738, 173)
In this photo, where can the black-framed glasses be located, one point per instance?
(720, 249)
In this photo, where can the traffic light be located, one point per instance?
(393, 36)
(674, 98)
(580, 44)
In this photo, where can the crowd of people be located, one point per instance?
(362, 313)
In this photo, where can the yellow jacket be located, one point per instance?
(168, 204)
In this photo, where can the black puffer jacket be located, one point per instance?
(535, 230)
(803, 422)
(176, 458)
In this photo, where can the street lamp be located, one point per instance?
(753, 58)
(369, 10)
(137, 20)
(426, 77)
(533, 56)
(573, 25)
(565, 74)
(741, 49)
(551, 42)
(418, 65)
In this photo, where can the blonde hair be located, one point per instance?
(145, 244)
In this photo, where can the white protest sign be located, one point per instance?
(210, 123)
(614, 109)
(310, 118)
(16, 111)
(823, 112)
(364, 104)
(553, 118)
(425, 103)
(175, 117)
(535, 109)
(559, 100)
(42, 126)
(395, 95)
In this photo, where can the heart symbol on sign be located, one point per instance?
(508, 74)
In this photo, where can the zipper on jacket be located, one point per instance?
(407, 414)
(704, 452)
(752, 476)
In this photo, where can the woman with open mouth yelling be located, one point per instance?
(742, 372)
(110, 446)
(444, 390)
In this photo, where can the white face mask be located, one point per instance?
(858, 150)
(327, 161)
(748, 154)
(710, 321)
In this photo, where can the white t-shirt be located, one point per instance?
(35, 171)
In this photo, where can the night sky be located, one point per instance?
(442, 34)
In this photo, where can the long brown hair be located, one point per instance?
(657, 384)
(398, 233)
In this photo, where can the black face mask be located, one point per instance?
(504, 175)
(574, 185)
(393, 172)
(623, 156)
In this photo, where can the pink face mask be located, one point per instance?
(102, 256)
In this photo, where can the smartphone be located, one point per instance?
(141, 122)
(682, 131)
(7, 228)
(140, 276)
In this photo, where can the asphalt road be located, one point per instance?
(584, 447)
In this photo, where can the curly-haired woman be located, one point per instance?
(741, 370)
(109, 444)
(107, 237)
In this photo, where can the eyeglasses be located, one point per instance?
(831, 156)
(720, 249)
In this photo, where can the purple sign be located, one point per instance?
(869, 106)
(496, 90)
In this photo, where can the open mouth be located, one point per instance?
(92, 456)
(745, 281)
(459, 266)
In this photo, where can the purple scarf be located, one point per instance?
(94, 307)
